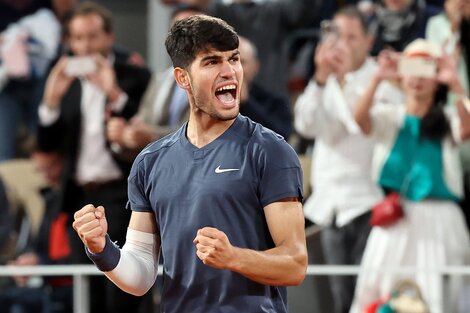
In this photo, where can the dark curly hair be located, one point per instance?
(198, 33)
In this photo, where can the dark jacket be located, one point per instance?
(268, 109)
(64, 135)
(413, 26)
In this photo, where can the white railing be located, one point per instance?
(80, 275)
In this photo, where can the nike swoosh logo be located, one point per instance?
(219, 170)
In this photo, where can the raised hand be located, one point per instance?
(214, 248)
(137, 134)
(91, 226)
(447, 73)
(388, 65)
(105, 78)
(57, 84)
(115, 129)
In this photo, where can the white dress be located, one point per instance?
(432, 234)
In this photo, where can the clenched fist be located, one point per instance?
(214, 248)
(91, 226)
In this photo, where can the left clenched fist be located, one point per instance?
(214, 249)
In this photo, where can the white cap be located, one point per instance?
(422, 48)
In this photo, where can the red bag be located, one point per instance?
(387, 211)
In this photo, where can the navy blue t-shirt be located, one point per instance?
(226, 184)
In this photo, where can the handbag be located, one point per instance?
(390, 209)
(387, 211)
(407, 298)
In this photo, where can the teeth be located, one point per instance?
(228, 87)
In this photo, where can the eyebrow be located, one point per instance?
(218, 57)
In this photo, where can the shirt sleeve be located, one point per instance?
(136, 189)
(47, 116)
(281, 174)
(386, 119)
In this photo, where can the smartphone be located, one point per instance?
(80, 66)
(418, 67)
(328, 31)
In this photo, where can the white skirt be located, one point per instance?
(432, 234)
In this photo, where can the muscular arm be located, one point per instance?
(283, 265)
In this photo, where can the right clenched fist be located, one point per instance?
(91, 226)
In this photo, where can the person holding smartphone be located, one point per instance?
(82, 91)
(416, 155)
(343, 192)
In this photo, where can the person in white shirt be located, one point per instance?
(343, 191)
(73, 116)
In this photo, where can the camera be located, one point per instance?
(80, 66)
(418, 67)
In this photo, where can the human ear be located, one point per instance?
(181, 77)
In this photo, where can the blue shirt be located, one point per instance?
(226, 184)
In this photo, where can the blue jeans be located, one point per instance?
(19, 102)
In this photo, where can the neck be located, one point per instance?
(418, 106)
(203, 129)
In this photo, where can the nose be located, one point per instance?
(84, 47)
(227, 70)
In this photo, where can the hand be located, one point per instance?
(57, 84)
(453, 11)
(323, 68)
(136, 59)
(214, 248)
(137, 134)
(91, 226)
(331, 57)
(447, 73)
(26, 259)
(388, 65)
(115, 129)
(105, 78)
(341, 61)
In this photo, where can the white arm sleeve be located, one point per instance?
(137, 268)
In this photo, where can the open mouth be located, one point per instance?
(226, 94)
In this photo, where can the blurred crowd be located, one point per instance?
(374, 94)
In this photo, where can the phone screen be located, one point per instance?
(418, 67)
(80, 66)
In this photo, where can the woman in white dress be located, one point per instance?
(416, 155)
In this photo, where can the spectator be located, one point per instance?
(451, 31)
(398, 22)
(163, 110)
(51, 246)
(417, 156)
(27, 46)
(261, 105)
(343, 192)
(73, 116)
(5, 220)
(266, 24)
